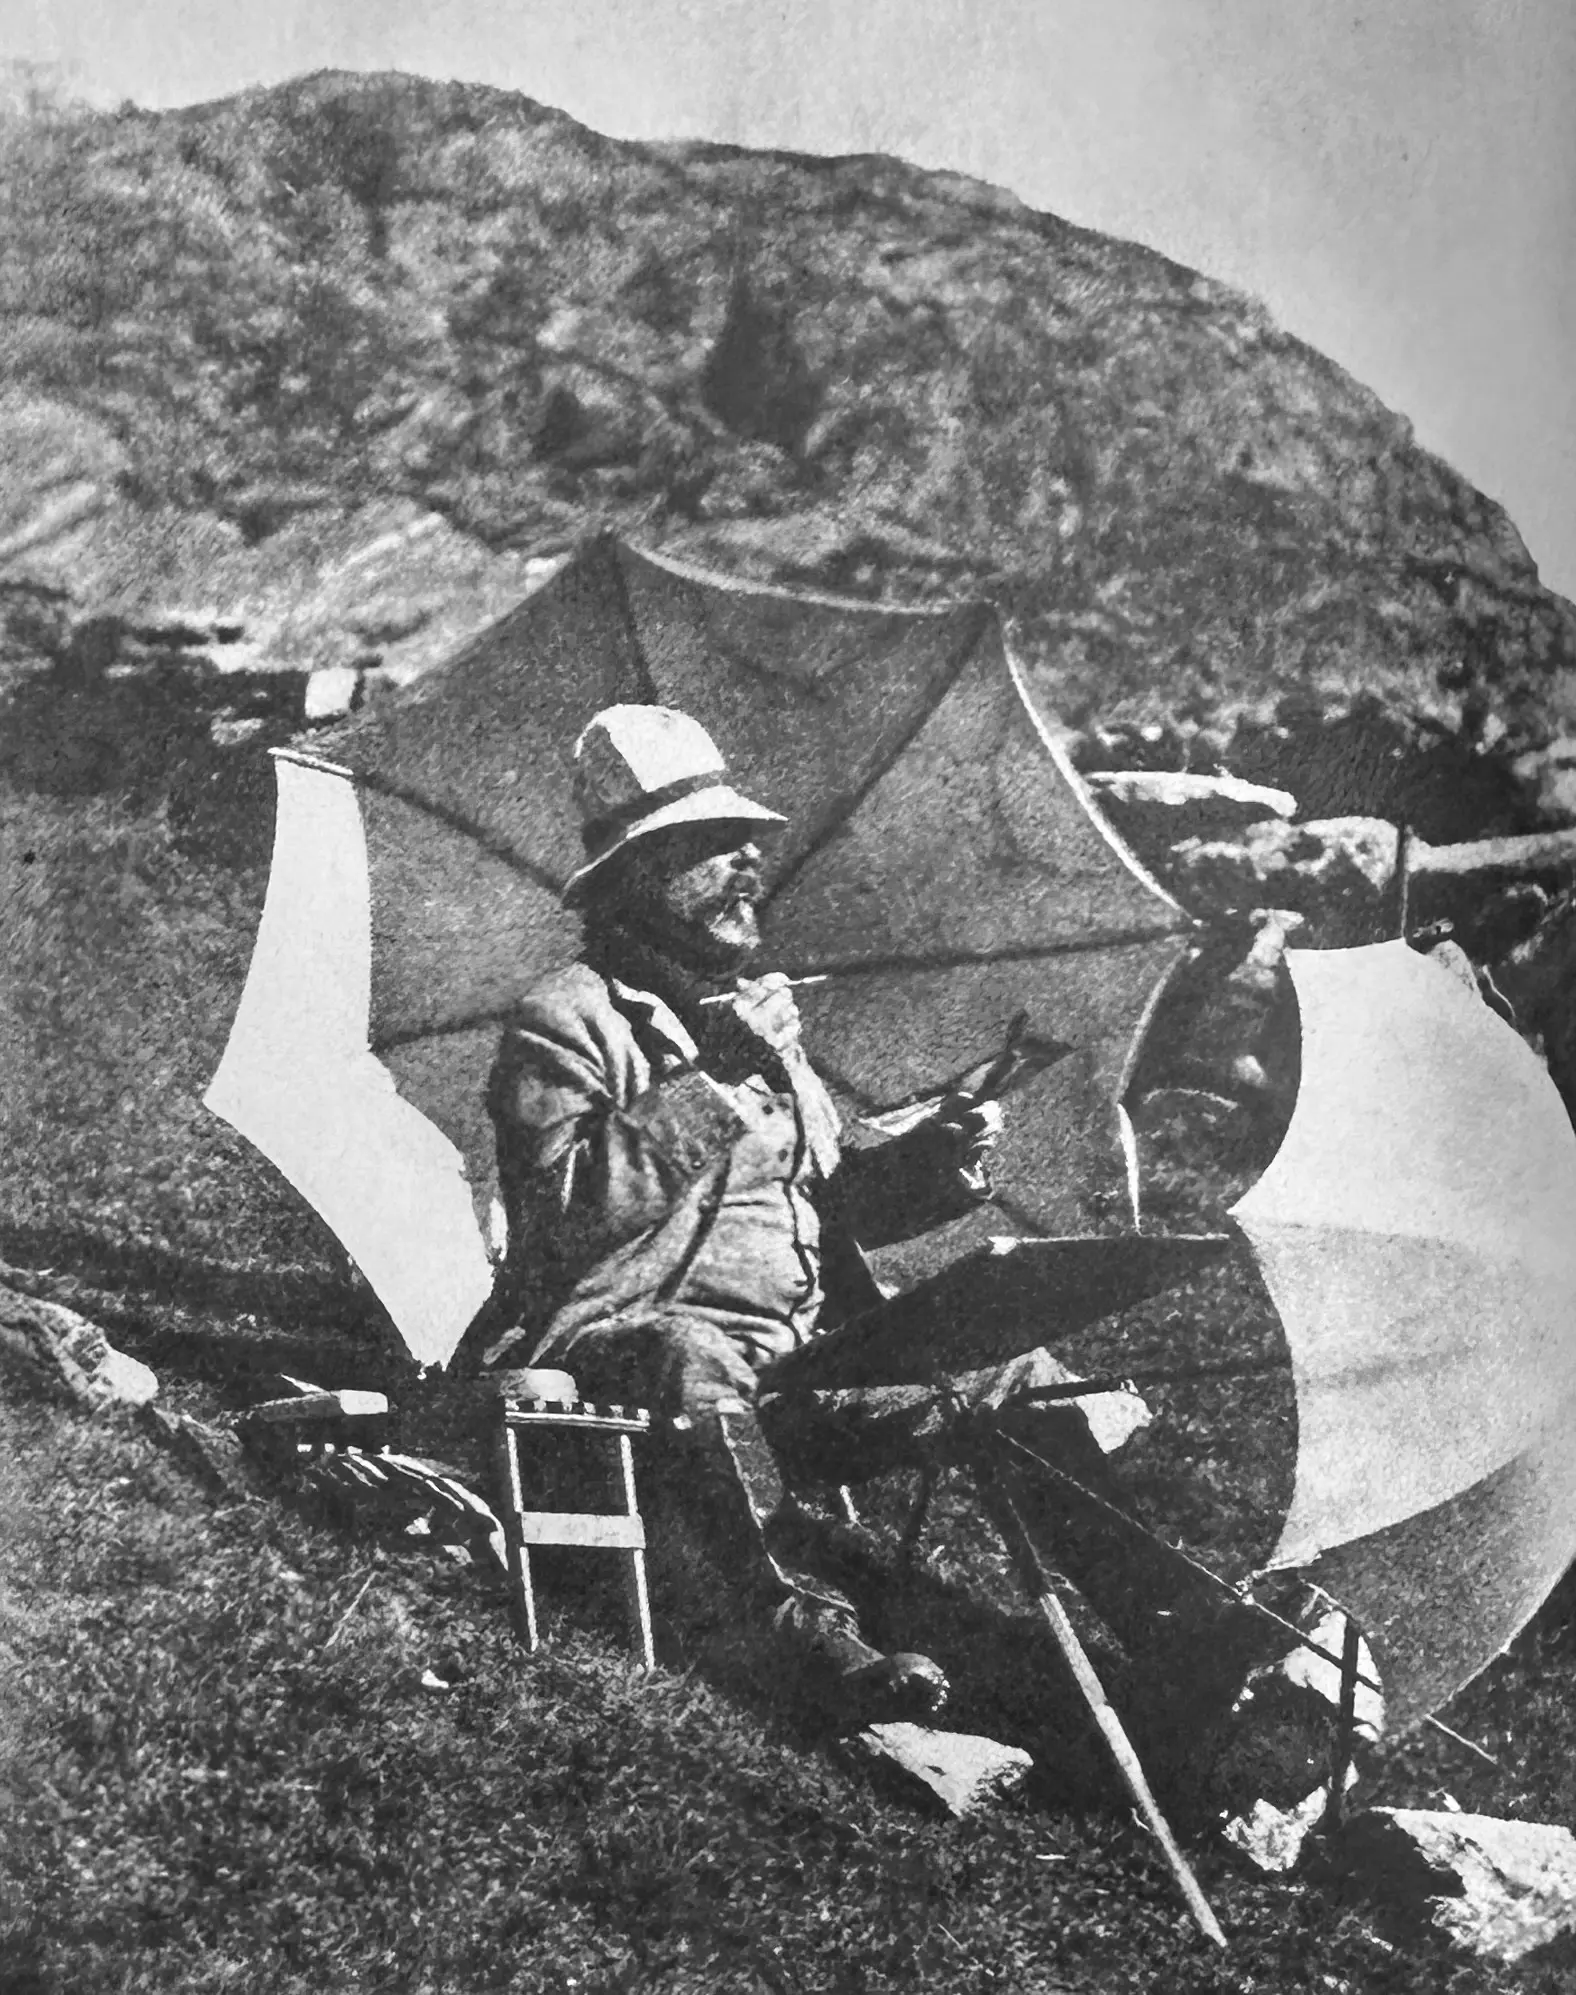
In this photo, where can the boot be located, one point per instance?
(863, 1686)
(727, 1482)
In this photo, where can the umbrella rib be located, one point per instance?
(955, 669)
(962, 959)
(1103, 1382)
(442, 1028)
(1197, 1566)
(648, 685)
(495, 847)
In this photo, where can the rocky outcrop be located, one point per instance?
(1156, 809)
(1337, 874)
(349, 410)
(1343, 876)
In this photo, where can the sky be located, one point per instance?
(1396, 180)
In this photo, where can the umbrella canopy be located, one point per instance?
(1417, 1233)
(942, 864)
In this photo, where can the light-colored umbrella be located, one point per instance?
(1417, 1233)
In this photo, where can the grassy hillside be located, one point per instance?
(220, 1770)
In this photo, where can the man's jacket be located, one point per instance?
(643, 1171)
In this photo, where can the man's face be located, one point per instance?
(696, 889)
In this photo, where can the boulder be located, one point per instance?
(1338, 873)
(960, 1769)
(63, 1354)
(1497, 1889)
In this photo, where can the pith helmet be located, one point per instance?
(642, 769)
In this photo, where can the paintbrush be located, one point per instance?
(793, 984)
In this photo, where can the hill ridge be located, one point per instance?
(278, 319)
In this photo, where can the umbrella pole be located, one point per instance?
(1091, 1689)
(1345, 1725)
(1403, 880)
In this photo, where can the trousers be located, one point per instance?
(728, 1457)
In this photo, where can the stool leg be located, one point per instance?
(522, 1597)
(635, 1562)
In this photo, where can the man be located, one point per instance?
(682, 1209)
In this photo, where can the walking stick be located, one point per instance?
(1092, 1690)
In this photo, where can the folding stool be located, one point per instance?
(522, 1419)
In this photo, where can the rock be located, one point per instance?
(66, 1355)
(1155, 809)
(330, 693)
(1287, 1718)
(1496, 1888)
(1339, 873)
(1272, 1839)
(1114, 1417)
(962, 1770)
(1548, 775)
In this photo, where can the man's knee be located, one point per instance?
(695, 1366)
(667, 1360)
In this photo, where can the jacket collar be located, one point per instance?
(649, 986)
(653, 1016)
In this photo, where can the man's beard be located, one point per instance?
(734, 929)
(706, 930)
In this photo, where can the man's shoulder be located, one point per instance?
(572, 995)
(571, 984)
(577, 1007)
(566, 1031)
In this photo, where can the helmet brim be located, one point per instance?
(720, 803)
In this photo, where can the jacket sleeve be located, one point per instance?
(590, 1154)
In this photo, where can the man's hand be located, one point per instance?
(766, 1007)
(969, 1130)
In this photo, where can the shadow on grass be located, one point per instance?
(216, 1322)
(229, 1328)
(1007, 1680)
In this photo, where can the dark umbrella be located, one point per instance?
(942, 866)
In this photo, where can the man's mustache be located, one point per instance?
(744, 883)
